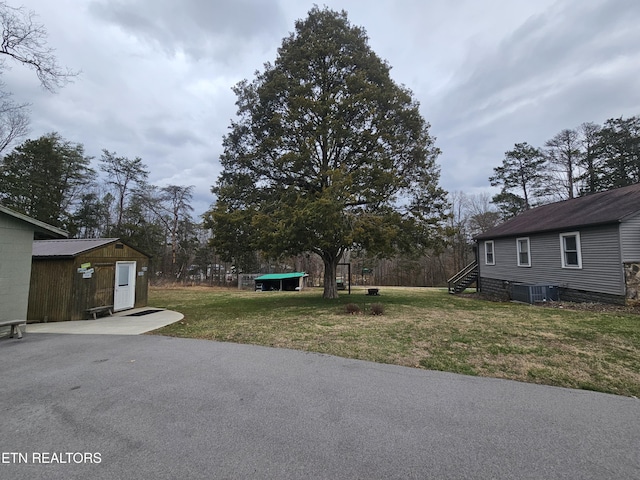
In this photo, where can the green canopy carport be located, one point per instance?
(281, 281)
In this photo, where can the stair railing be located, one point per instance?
(461, 275)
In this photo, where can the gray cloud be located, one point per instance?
(201, 29)
(549, 53)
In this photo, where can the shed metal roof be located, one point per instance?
(280, 276)
(602, 208)
(70, 247)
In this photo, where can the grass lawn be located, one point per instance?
(423, 328)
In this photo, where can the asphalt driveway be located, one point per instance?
(116, 407)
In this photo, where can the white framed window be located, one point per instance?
(524, 253)
(570, 248)
(489, 255)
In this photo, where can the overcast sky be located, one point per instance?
(156, 75)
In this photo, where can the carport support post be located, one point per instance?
(348, 274)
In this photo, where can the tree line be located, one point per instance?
(587, 159)
(51, 179)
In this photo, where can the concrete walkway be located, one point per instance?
(153, 407)
(120, 323)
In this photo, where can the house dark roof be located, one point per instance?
(39, 227)
(68, 248)
(602, 208)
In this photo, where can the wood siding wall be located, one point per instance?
(59, 292)
(601, 271)
(50, 291)
(630, 240)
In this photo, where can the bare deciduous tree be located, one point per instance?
(482, 214)
(25, 41)
(14, 120)
(589, 142)
(563, 154)
(126, 176)
(176, 204)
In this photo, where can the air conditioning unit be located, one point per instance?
(522, 292)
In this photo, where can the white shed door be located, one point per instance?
(125, 291)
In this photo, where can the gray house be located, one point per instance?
(17, 233)
(582, 249)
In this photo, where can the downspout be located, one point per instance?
(476, 253)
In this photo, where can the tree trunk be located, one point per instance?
(330, 269)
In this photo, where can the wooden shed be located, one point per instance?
(70, 277)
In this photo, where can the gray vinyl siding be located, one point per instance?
(630, 239)
(16, 243)
(601, 261)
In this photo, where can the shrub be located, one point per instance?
(352, 308)
(377, 309)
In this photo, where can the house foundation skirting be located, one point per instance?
(581, 296)
(494, 288)
(501, 289)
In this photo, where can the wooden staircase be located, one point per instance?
(464, 278)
